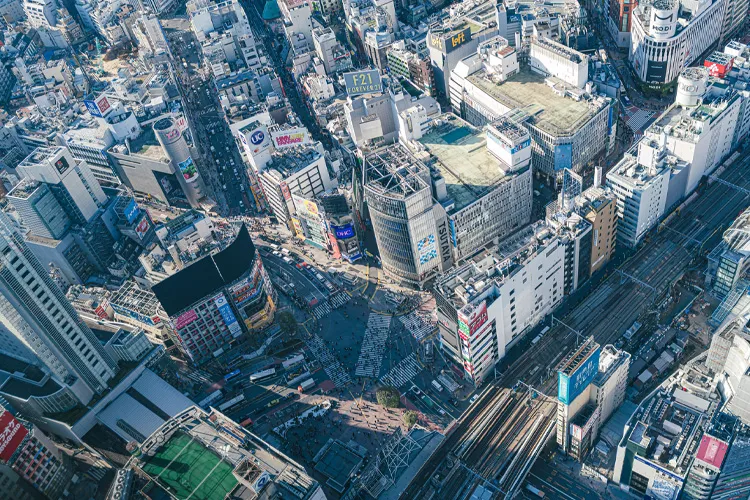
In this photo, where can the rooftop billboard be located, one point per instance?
(569, 387)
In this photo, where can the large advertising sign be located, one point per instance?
(103, 104)
(12, 434)
(363, 82)
(189, 170)
(716, 69)
(249, 288)
(227, 315)
(569, 387)
(142, 228)
(93, 108)
(131, 211)
(469, 325)
(254, 140)
(306, 208)
(185, 319)
(290, 137)
(142, 318)
(285, 191)
(427, 249)
(656, 71)
(343, 232)
(448, 44)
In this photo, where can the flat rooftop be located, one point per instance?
(460, 151)
(205, 456)
(528, 91)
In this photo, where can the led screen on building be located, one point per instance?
(569, 387)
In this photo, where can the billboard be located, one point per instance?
(343, 232)
(142, 228)
(255, 140)
(290, 137)
(189, 170)
(285, 191)
(656, 71)
(132, 211)
(563, 156)
(569, 387)
(12, 434)
(717, 69)
(448, 44)
(427, 249)
(185, 319)
(103, 104)
(227, 315)
(468, 326)
(92, 108)
(363, 82)
(306, 208)
(142, 318)
(249, 288)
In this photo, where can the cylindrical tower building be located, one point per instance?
(169, 136)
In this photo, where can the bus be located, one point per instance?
(210, 399)
(536, 491)
(232, 402)
(229, 376)
(263, 374)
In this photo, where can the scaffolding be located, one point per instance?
(389, 463)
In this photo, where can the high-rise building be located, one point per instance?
(487, 303)
(215, 299)
(170, 137)
(592, 384)
(668, 35)
(30, 454)
(570, 125)
(35, 310)
(71, 180)
(39, 210)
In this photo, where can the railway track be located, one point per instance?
(606, 313)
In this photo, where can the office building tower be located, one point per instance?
(39, 210)
(170, 137)
(487, 303)
(70, 180)
(35, 310)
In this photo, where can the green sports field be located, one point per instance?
(189, 469)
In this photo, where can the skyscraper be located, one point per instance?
(36, 311)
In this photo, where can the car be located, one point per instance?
(276, 253)
(473, 399)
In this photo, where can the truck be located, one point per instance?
(305, 385)
(437, 386)
(247, 422)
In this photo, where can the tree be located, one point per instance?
(388, 397)
(287, 322)
(410, 418)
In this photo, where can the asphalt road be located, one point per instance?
(619, 301)
(220, 164)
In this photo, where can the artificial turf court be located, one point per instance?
(187, 469)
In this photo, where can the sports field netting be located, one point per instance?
(188, 469)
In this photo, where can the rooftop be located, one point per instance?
(394, 171)
(460, 151)
(667, 428)
(24, 189)
(292, 159)
(493, 265)
(205, 456)
(143, 145)
(206, 275)
(547, 110)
